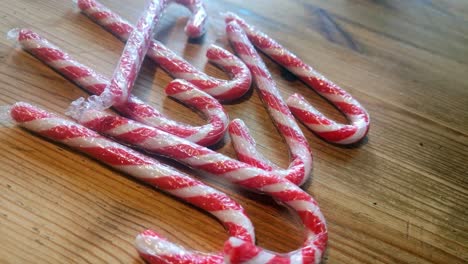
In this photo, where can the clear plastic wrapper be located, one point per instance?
(121, 84)
(134, 108)
(301, 157)
(152, 246)
(224, 90)
(324, 127)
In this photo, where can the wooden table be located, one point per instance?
(399, 197)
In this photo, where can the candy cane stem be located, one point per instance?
(119, 88)
(301, 156)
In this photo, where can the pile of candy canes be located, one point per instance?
(106, 136)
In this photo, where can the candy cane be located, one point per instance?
(194, 28)
(142, 167)
(159, 142)
(175, 65)
(321, 125)
(136, 109)
(301, 164)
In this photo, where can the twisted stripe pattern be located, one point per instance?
(245, 175)
(176, 66)
(301, 163)
(152, 246)
(134, 108)
(324, 127)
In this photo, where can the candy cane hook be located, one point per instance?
(324, 127)
(301, 163)
(159, 142)
(176, 66)
(149, 170)
(136, 109)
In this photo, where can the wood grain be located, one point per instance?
(399, 197)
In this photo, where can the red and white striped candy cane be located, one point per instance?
(194, 28)
(152, 246)
(248, 176)
(321, 125)
(159, 142)
(121, 84)
(301, 163)
(175, 65)
(136, 109)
